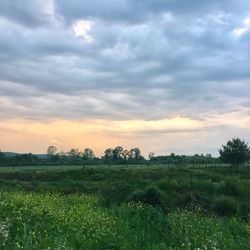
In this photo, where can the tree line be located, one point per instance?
(116, 155)
(235, 152)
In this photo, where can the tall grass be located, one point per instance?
(172, 188)
(53, 221)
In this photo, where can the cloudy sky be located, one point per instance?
(163, 75)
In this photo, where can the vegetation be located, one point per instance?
(236, 152)
(168, 188)
(166, 202)
(115, 156)
(53, 221)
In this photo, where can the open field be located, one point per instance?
(134, 207)
(72, 167)
(38, 168)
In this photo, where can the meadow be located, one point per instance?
(124, 207)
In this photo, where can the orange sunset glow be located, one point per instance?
(176, 133)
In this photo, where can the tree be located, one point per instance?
(88, 154)
(108, 153)
(117, 153)
(74, 153)
(235, 152)
(2, 157)
(52, 152)
(1, 154)
(125, 154)
(74, 156)
(135, 154)
(151, 156)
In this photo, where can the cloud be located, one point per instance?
(243, 29)
(124, 60)
(31, 14)
(81, 29)
(129, 11)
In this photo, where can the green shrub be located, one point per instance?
(192, 200)
(136, 196)
(163, 184)
(174, 185)
(231, 188)
(245, 211)
(186, 200)
(244, 187)
(206, 186)
(225, 206)
(151, 195)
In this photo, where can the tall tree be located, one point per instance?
(74, 152)
(235, 152)
(117, 153)
(88, 154)
(51, 152)
(74, 156)
(135, 154)
(151, 155)
(108, 153)
(125, 154)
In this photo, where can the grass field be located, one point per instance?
(70, 167)
(135, 207)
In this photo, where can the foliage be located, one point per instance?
(232, 187)
(151, 195)
(51, 151)
(112, 156)
(88, 154)
(42, 221)
(235, 152)
(53, 221)
(225, 206)
(191, 230)
(173, 159)
(168, 188)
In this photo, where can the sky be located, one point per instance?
(162, 75)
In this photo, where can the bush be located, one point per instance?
(151, 195)
(206, 186)
(192, 200)
(137, 196)
(225, 206)
(231, 188)
(163, 184)
(245, 211)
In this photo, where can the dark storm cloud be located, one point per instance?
(134, 59)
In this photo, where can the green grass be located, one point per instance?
(70, 167)
(38, 168)
(107, 207)
(179, 187)
(53, 221)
